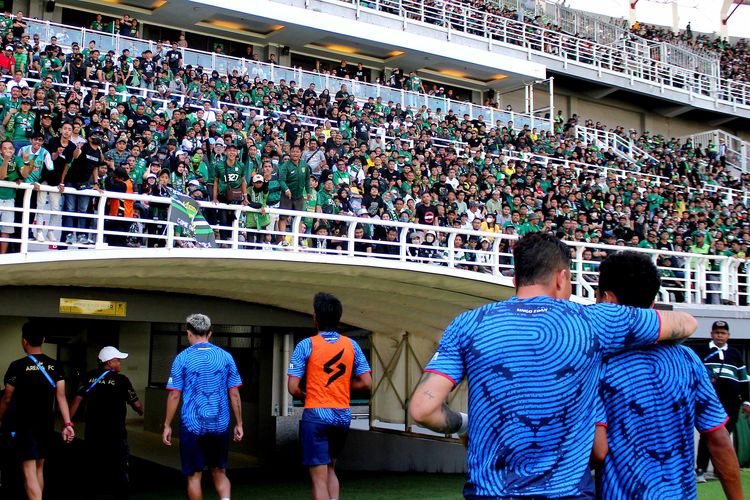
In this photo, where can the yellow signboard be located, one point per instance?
(93, 307)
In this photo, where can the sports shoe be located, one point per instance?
(40, 236)
(700, 476)
(52, 238)
(90, 240)
(70, 239)
(83, 240)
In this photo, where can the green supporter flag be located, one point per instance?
(185, 213)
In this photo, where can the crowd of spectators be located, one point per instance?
(438, 169)
(734, 56)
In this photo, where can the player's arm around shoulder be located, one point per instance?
(676, 325)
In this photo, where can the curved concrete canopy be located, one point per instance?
(381, 295)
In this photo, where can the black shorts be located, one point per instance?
(33, 445)
(292, 203)
(200, 451)
(108, 462)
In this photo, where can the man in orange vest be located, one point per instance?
(120, 208)
(332, 366)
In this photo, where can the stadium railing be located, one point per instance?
(222, 63)
(623, 147)
(381, 137)
(737, 149)
(691, 278)
(606, 32)
(627, 58)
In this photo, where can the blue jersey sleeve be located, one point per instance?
(298, 361)
(622, 327)
(175, 376)
(360, 362)
(709, 412)
(448, 359)
(233, 375)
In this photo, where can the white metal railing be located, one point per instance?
(688, 278)
(606, 32)
(737, 150)
(622, 146)
(225, 64)
(626, 59)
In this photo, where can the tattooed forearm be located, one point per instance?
(676, 325)
(452, 421)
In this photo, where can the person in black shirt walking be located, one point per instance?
(34, 383)
(107, 392)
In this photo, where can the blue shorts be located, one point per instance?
(200, 451)
(321, 443)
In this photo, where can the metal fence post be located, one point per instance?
(25, 217)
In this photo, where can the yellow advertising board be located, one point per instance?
(93, 307)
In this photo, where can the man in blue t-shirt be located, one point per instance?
(332, 366)
(532, 364)
(207, 379)
(654, 397)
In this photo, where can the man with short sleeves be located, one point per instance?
(533, 364)
(333, 366)
(34, 383)
(654, 398)
(107, 392)
(206, 378)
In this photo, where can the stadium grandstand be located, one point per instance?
(436, 132)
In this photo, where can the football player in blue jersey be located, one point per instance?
(533, 365)
(654, 397)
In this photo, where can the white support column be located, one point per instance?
(723, 17)
(632, 14)
(675, 18)
(552, 104)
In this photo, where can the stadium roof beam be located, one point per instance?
(602, 93)
(722, 120)
(369, 288)
(314, 24)
(675, 111)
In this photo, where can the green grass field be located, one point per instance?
(368, 486)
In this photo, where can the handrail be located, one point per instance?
(625, 59)
(737, 149)
(222, 63)
(691, 278)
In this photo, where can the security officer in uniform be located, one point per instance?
(106, 392)
(729, 377)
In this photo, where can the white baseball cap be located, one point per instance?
(108, 353)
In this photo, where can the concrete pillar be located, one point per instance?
(723, 15)
(632, 14)
(276, 50)
(675, 17)
(135, 339)
(478, 97)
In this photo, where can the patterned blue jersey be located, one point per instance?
(204, 373)
(533, 368)
(654, 398)
(297, 366)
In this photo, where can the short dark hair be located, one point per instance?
(328, 310)
(32, 333)
(537, 257)
(632, 277)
